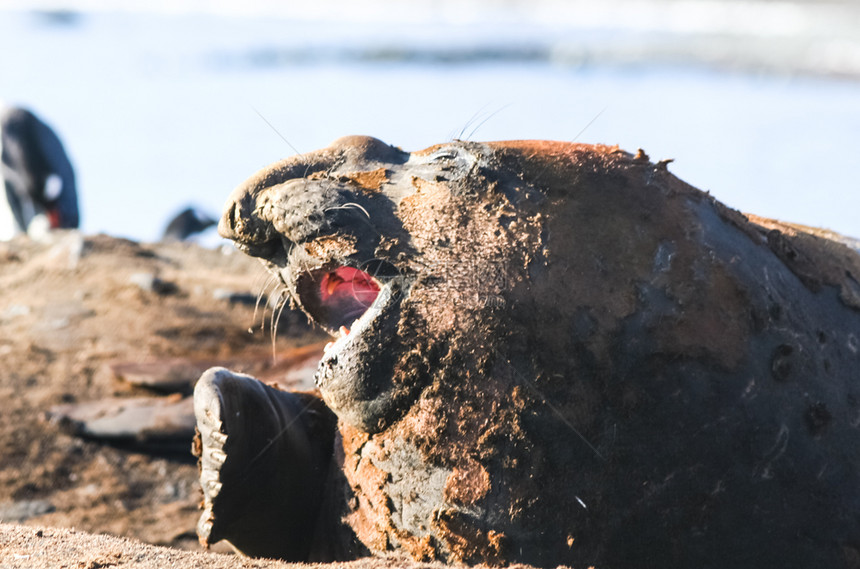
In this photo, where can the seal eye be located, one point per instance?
(336, 298)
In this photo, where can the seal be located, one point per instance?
(554, 353)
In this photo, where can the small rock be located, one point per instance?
(150, 283)
(14, 311)
(23, 510)
(149, 424)
(245, 298)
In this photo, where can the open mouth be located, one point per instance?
(337, 299)
(361, 310)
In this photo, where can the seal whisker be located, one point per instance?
(469, 123)
(519, 378)
(573, 140)
(275, 321)
(349, 205)
(282, 137)
(272, 441)
(301, 155)
(491, 115)
(268, 278)
(269, 282)
(279, 303)
(272, 302)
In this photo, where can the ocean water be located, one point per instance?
(164, 104)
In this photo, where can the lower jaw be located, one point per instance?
(356, 375)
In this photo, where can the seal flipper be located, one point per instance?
(264, 456)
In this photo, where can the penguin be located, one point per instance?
(38, 181)
(187, 223)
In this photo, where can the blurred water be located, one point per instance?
(159, 109)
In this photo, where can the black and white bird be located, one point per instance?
(187, 223)
(38, 190)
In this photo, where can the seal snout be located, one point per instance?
(253, 235)
(229, 222)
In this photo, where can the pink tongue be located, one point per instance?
(347, 283)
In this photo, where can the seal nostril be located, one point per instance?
(227, 224)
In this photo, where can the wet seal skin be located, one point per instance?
(553, 353)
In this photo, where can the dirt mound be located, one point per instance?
(47, 548)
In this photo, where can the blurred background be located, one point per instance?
(162, 103)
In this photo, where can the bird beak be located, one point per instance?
(55, 218)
